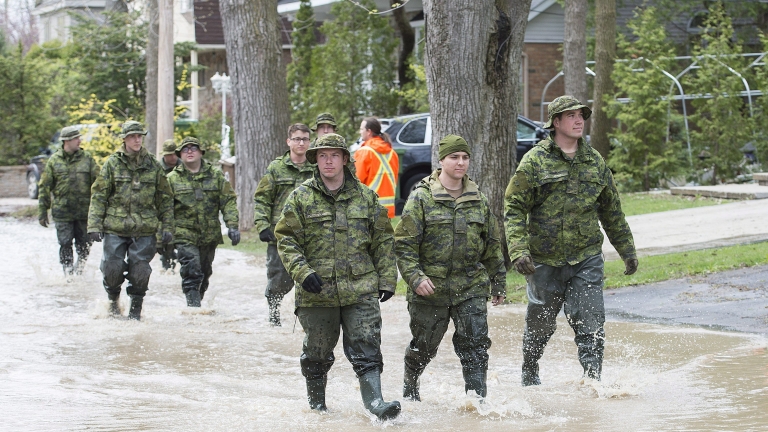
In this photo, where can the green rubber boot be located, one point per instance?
(411, 385)
(370, 389)
(316, 393)
(474, 380)
(135, 312)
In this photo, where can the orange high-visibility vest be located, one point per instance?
(377, 167)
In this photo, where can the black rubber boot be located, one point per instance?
(474, 380)
(316, 393)
(135, 312)
(370, 389)
(193, 298)
(411, 385)
(530, 374)
(593, 368)
(533, 349)
(274, 311)
(114, 305)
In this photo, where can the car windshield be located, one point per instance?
(525, 132)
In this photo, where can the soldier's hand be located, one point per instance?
(167, 237)
(385, 295)
(43, 221)
(312, 284)
(524, 265)
(425, 288)
(234, 235)
(497, 300)
(95, 236)
(267, 236)
(630, 266)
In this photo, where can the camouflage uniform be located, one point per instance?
(347, 240)
(282, 177)
(167, 252)
(552, 208)
(69, 178)
(129, 201)
(327, 118)
(197, 200)
(456, 244)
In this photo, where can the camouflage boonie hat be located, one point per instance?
(169, 147)
(562, 104)
(329, 141)
(69, 133)
(132, 128)
(324, 118)
(189, 141)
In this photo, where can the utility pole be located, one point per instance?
(165, 102)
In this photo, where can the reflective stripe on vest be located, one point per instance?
(384, 169)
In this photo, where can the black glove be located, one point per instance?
(385, 295)
(167, 237)
(630, 266)
(95, 236)
(234, 235)
(312, 284)
(524, 265)
(266, 236)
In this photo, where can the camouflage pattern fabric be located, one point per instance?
(167, 169)
(196, 266)
(562, 104)
(127, 258)
(323, 118)
(66, 233)
(347, 240)
(69, 133)
(197, 200)
(282, 177)
(68, 177)
(131, 197)
(455, 243)
(552, 207)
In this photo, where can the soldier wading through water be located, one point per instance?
(336, 241)
(168, 161)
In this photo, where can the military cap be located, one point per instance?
(169, 147)
(189, 141)
(562, 104)
(324, 118)
(69, 133)
(452, 144)
(132, 127)
(329, 141)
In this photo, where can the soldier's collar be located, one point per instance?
(439, 193)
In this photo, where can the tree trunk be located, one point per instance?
(259, 95)
(150, 98)
(472, 61)
(407, 43)
(575, 49)
(605, 54)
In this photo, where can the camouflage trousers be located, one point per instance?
(361, 326)
(196, 266)
(578, 289)
(127, 258)
(70, 231)
(429, 324)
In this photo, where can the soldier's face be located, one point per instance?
(170, 159)
(570, 124)
(133, 142)
(331, 163)
(71, 146)
(455, 165)
(191, 154)
(298, 143)
(324, 129)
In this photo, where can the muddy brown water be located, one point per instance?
(64, 365)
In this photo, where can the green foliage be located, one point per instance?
(101, 140)
(414, 94)
(27, 124)
(299, 70)
(723, 123)
(645, 152)
(642, 203)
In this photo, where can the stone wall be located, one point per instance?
(13, 181)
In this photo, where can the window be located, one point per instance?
(414, 132)
(525, 132)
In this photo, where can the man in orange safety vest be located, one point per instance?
(377, 164)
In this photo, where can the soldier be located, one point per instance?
(283, 175)
(377, 164)
(324, 124)
(560, 190)
(336, 242)
(200, 192)
(68, 175)
(130, 201)
(169, 161)
(449, 251)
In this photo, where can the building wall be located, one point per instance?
(13, 181)
(547, 27)
(542, 64)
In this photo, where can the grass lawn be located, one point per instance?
(642, 202)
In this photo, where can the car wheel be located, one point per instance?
(410, 185)
(32, 185)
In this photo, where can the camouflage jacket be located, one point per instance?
(197, 200)
(131, 199)
(454, 243)
(552, 206)
(282, 177)
(347, 240)
(69, 179)
(167, 169)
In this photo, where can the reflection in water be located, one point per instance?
(65, 365)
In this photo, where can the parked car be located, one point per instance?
(412, 137)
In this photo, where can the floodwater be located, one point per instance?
(65, 365)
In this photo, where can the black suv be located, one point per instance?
(411, 138)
